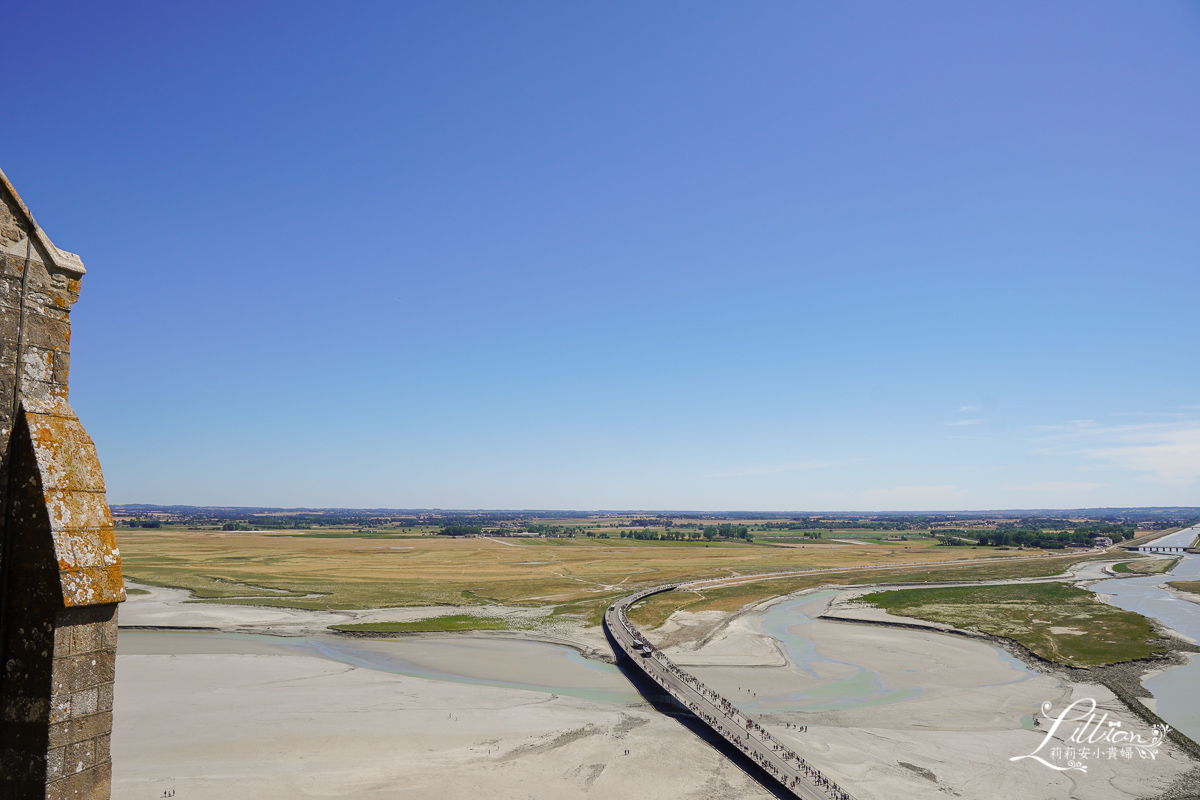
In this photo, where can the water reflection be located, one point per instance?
(1174, 690)
(507, 663)
(863, 687)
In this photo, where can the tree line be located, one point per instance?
(1033, 537)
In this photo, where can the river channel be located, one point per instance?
(507, 663)
(841, 684)
(1176, 698)
(827, 683)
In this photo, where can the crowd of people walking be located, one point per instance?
(733, 725)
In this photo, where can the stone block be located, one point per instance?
(104, 666)
(54, 762)
(81, 511)
(50, 302)
(45, 332)
(63, 638)
(86, 586)
(62, 367)
(85, 703)
(60, 707)
(37, 364)
(109, 625)
(104, 697)
(66, 457)
(10, 284)
(79, 756)
(92, 784)
(8, 358)
(78, 548)
(77, 730)
(86, 638)
(35, 391)
(75, 673)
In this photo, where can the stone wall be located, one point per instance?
(60, 576)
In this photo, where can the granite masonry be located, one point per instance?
(60, 571)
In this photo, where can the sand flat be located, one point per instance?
(249, 716)
(280, 727)
(961, 710)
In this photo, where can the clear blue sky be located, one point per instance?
(713, 256)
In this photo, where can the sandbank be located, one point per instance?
(955, 710)
(240, 719)
(214, 726)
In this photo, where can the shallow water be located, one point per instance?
(862, 688)
(507, 663)
(1178, 702)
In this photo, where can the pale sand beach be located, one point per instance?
(173, 608)
(280, 727)
(252, 716)
(235, 715)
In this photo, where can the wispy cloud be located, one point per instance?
(1152, 414)
(1167, 451)
(960, 422)
(769, 469)
(968, 409)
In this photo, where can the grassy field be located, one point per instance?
(655, 610)
(1186, 586)
(1058, 622)
(1147, 567)
(453, 622)
(579, 577)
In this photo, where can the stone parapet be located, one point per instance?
(60, 571)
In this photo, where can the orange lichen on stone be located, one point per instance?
(62, 571)
(65, 454)
(81, 525)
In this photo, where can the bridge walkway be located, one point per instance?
(794, 773)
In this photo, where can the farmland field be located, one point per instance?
(578, 576)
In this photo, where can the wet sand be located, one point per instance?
(891, 713)
(281, 727)
(243, 711)
(910, 713)
(457, 658)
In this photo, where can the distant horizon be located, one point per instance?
(659, 512)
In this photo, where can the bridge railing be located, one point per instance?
(814, 775)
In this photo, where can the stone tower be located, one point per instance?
(60, 570)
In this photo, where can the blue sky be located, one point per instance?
(712, 256)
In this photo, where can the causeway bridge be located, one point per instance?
(797, 775)
(1184, 541)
